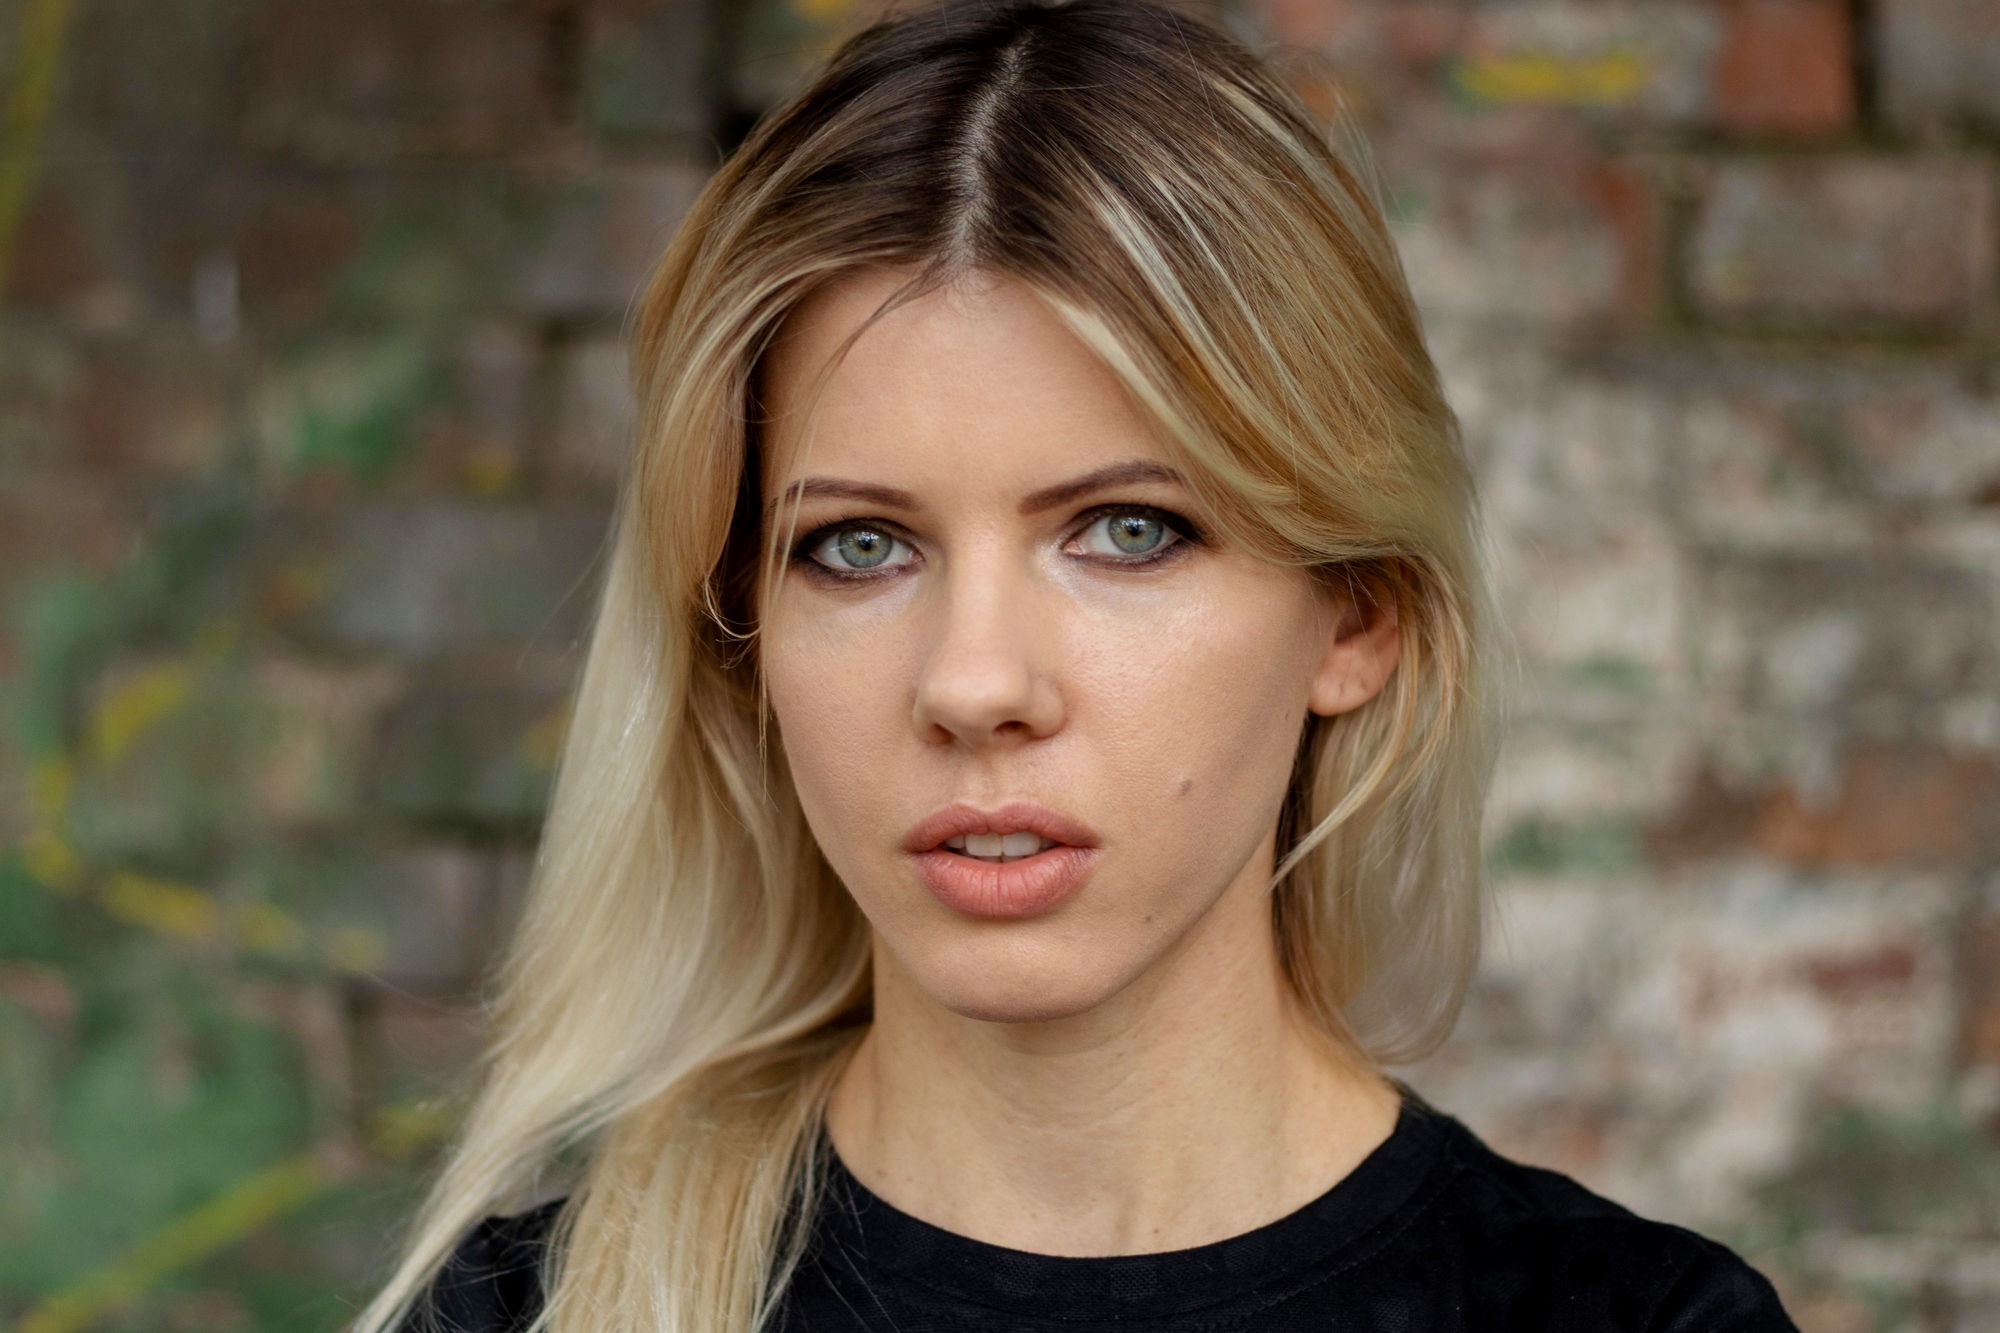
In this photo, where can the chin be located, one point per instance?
(997, 981)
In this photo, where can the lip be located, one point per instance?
(1023, 888)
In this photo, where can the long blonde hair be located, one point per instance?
(689, 975)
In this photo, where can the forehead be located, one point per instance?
(976, 380)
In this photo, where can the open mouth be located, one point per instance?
(999, 847)
(1017, 861)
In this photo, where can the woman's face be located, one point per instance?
(1041, 719)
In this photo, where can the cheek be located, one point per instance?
(1200, 710)
(839, 689)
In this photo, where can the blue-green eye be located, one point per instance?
(860, 548)
(1128, 532)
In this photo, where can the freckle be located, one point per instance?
(1187, 785)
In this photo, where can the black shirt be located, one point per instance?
(1432, 1232)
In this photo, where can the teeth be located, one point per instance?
(999, 846)
(1020, 844)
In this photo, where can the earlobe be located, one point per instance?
(1366, 643)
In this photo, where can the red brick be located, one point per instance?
(108, 407)
(291, 245)
(1854, 976)
(1712, 820)
(112, 411)
(1314, 24)
(156, 406)
(1628, 200)
(50, 519)
(51, 261)
(1980, 964)
(1890, 807)
(1869, 240)
(42, 991)
(1786, 67)
(1423, 36)
(1568, 1135)
(1817, 1306)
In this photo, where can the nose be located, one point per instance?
(988, 677)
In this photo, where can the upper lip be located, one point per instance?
(1014, 817)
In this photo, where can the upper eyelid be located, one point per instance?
(1178, 523)
(804, 541)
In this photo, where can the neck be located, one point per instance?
(1195, 1105)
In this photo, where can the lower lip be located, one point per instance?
(1026, 887)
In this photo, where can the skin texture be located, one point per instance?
(1125, 1072)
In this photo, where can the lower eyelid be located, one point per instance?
(1167, 552)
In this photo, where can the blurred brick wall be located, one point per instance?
(350, 276)
(312, 401)
(311, 407)
(1713, 287)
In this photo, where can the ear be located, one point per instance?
(1364, 643)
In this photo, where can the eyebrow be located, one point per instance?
(836, 488)
(1117, 474)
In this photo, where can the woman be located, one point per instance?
(1025, 783)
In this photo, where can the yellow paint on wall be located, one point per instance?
(489, 472)
(269, 1194)
(135, 706)
(235, 1213)
(51, 786)
(823, 11)
(52, 860)
(38, 58)
(541, 743)
(357, 949)
(262, 928)
(407, 1126)
(1535, 77)
(172, 909)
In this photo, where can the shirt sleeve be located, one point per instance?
(1719, 1293)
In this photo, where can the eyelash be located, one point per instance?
(1184, 529)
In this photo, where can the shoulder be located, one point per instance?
(1540, 1241)
(492, 1283)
